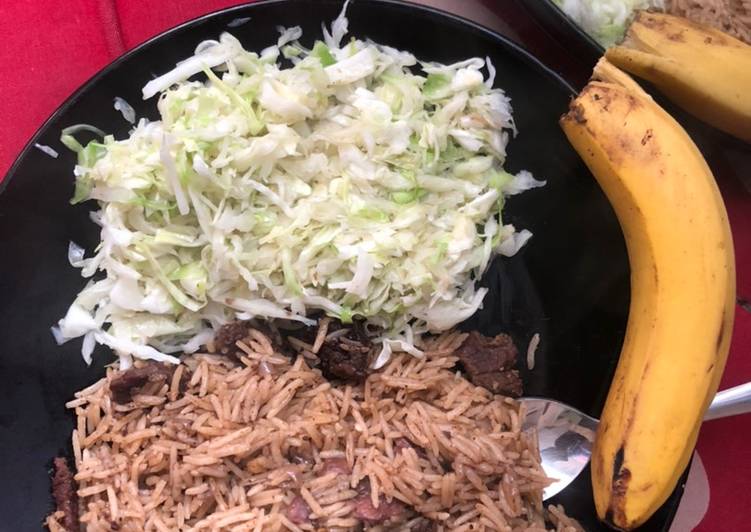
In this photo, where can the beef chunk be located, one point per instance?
(347, 357)
(228, 335)
(64, 492)
(489, 363)
(123, 385)
(369, 514)
(483, 354)
(344, 359)
(298, 511)
(502, 382)
(226, 338)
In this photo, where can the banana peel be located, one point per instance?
(705, 71)
(682, 292)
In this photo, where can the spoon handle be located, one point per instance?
(730, 402)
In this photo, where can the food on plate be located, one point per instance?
(606, 20)
(730, 16)
(283, 257)
(704, 70)
(65, 495)
(357, 182)
(489, 362)
(682, 292)
(251, 437)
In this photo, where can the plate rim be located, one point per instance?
(568, 21)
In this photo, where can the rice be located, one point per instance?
(731, 16)
(227, 445)
(532, 350)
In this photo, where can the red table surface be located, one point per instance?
(50, 47)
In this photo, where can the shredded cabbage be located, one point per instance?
(605, 20)
(347, 184)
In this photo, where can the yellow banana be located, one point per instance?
(682, 292)
(703, 70)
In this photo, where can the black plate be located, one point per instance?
(564, 30)
(570, 283)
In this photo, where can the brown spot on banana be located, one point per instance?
(647, 486)
(721, 334)
(621, 478)
(577, 113)
(650, 22)
(620, 482)
(677, 37)
(617, 463)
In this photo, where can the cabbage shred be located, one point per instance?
(346, 183)
(605, 20)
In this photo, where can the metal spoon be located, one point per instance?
(566, 434)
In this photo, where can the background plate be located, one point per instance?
(565, 30)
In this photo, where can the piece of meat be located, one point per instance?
(335, 465)
(298, 511)
(123, 385)
(501, 382)
(347, 357)
(489, 361)
(358, 332)
(226, 338)
(483, 354)
(64, 493)
(369, 514)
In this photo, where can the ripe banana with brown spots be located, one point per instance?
(703, 70)
(682, 292)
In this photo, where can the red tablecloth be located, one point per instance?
(50, 47)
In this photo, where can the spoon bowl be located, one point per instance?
(566, 435)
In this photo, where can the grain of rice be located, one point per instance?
(323, 329)
(92, 490)
(53, 522)
(311, 501)
(531, 350)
